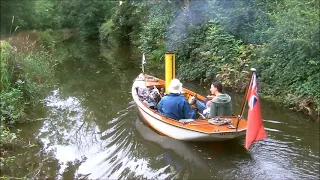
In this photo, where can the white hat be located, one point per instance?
(175, 86)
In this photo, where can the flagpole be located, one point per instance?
(244, 101)
(143, 62)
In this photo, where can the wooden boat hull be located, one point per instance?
(199, 130)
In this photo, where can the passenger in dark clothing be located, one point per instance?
(174, 105)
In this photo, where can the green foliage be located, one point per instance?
(279, 38)
(291, 54)
(5, 81)
(46, 38)
(47, 16)
(287, 32)
(39, 74)
(153, 33)
(5, 160)
(49, 37)
(7, 140)
(235, 75)
(128, 20)
(12, 106)
(86, 16)
(13, 14)
(106, 30)
(6, 137)
(124, 21)
(31, 14)
(206, 55)
(245, 19)
(24, 76)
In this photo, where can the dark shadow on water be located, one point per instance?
(187, 155)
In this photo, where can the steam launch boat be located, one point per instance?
(147, 91)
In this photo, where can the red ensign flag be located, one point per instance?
(255, 128)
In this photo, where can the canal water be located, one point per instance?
(88, 127)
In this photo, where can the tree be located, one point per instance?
(13, 14)
(86, 16)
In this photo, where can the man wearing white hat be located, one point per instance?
(174, 105)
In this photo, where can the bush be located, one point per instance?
(208, 51)
(290, 58)
(220, 39)
(5, 76)
(106, 30)
(12, 106)
(153, 33)
(24, 77)
(46, 38)
(7, 139)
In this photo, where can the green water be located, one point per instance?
(89, 128)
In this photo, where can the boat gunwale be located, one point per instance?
(186, 128)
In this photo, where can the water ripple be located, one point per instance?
(117, 145)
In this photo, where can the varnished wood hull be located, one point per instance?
(199, 130)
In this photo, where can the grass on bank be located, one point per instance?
(25, 75)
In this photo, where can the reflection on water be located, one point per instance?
(91, 130)
(185, 150)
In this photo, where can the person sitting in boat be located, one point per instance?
(204, 107)
(221, 103)
(174, 105)
(149, 96)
